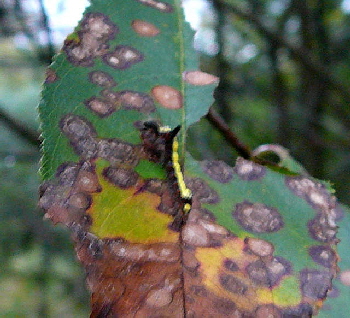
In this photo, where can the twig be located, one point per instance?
(45, 25)
(31, 136)
(222, 66)
(216, 120)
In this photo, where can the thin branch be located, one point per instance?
(22, 20)
(29, 135)
(280, 95)
(218, 122)
(299, 54)
(222, 65)
(45, 25)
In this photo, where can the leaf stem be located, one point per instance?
(218, 122)
(31, 136)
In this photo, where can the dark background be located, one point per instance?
(284, 69)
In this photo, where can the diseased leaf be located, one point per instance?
(256, 243)
(337, 303)
(272, 250)
(127, 61)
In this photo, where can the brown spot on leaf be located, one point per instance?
(257, 217)
(230, 265)
(277, 268)
(80, 200)
(204, 214)
(66, 198)
(202, 191)
(136, 100)
(190, 261)
(117, 152)
(111, 96)
(213, 228)
(144, 28)
(333, 293)
(226, 307)
(195, 235)
(170, 204)
(200, 231)
(259, 247)
(315, 283)
(323, 255)
(338, 212)
(86, 148)
(159, 298)
(123, 178)
(199, 290)
(87, 180)
(258, 273)
(167, 96)
(314, 193)
(51, 76)
(304, 310)
(249, 170)
(159, 5)
(154, 186)
(322, 228)
(345, 277)
(159, 252)
(218, 170)
(96, 29)
(100, 106)
(268, 273)
(67, 173)
(95, 248)
(199, 78)
(123, 57)
(44, 187)
(59, 214)
(268, 311)
(76, 127)
(112, 288)
(102, 79)
(233, 284)
(81, 134)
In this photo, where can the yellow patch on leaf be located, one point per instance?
(130, 215)
(245, 294)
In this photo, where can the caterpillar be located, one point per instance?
(171, 161)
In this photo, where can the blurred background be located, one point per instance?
(285, 78)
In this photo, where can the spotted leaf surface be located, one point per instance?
(126, 72)
(127, 61)
(337, 303)
(261, 243)
(255, 243)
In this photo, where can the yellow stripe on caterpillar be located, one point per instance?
(164, 129)
(187, 207)
(184, 191)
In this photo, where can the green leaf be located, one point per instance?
(118, 79)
